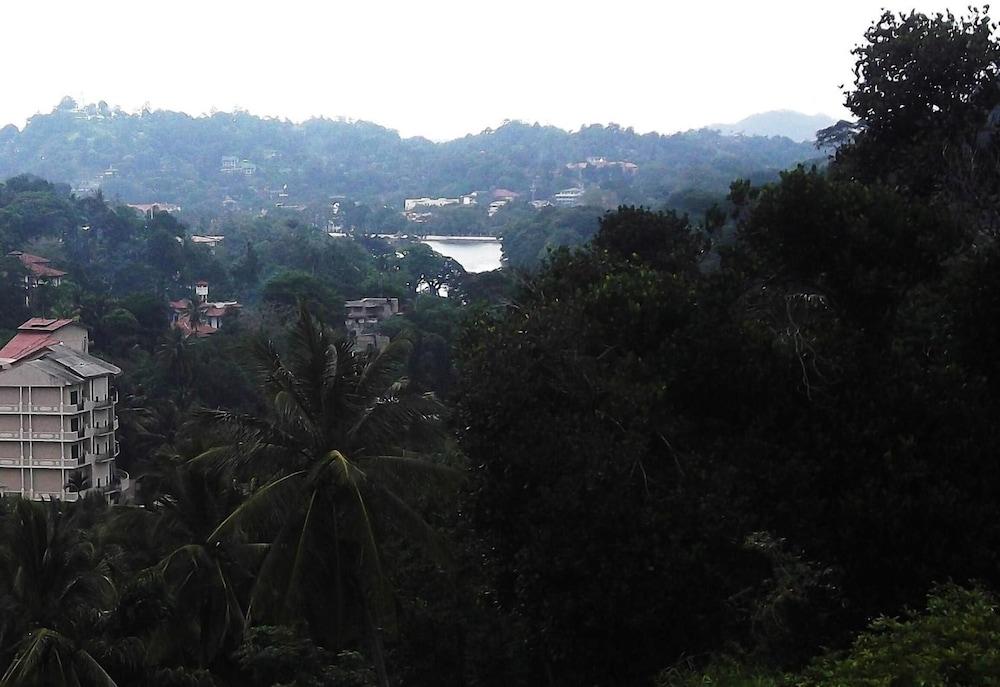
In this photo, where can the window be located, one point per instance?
(74, 397)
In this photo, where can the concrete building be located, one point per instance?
(57, 415)
(413, 203)
(363, 318)
(568, 198)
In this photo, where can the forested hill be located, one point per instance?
(170, 157)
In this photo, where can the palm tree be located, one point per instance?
(182, 504)
(332, 467)
(54, 588)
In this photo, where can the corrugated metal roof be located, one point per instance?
(79, 363)
(54, 369)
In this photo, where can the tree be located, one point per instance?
(290, 287)
(329, 461)
(427, 268)
(55, 589)
(926, 96)
(592, 505)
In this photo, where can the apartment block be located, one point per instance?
(57, 415)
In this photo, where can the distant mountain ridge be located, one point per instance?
(794, 125)
(237, 161)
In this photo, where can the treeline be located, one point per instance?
(170, 157)
(722, 459)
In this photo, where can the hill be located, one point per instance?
(794, 125)
(238, 162)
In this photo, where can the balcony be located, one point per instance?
(107, 401)
(27, 435)
(106, 427)
(101, 456)
(120, 483)
(56, 409)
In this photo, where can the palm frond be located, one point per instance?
(264, 507)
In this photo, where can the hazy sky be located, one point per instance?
(437, 68)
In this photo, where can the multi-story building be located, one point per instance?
(363, 318)
(57, 415)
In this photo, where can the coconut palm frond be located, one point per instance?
(48, 658)
(263, 509)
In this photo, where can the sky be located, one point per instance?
(438, 68)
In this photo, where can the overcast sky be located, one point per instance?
(437, 68)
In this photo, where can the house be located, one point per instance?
(496, 206)
(57, 415)
(363, 319)
(210, 315)
(39, 270)
(504, 194)
(234, 165)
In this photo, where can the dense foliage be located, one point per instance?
(161, 156)
(735, 444)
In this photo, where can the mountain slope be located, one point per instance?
(171, 157)
(794, 125)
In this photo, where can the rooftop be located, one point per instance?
(32, 336)
(37, 265)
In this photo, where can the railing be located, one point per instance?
(120, 483)
(58, 408)
(100, 456)
(108, 400)
(106, 427)
(32, 462)
(29, 435)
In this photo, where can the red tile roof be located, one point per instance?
(37, 265)
(25, 343)
(42, 324)
(32, 336)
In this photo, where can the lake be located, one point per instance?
(474, 253)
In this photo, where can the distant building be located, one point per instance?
(497, 205)
(149, 209)
(39, 270)
(539, 204)
(568, 198)
(504, 194)
(209, 315)
(413, 203)
(234, 165)
(57, 415)
(209, 240)
(628, 168)
(363, 318)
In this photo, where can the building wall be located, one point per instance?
(10, 479)
(46, 423)
(46, 450)
(41, 396)
(48, 481)
(100, 390)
